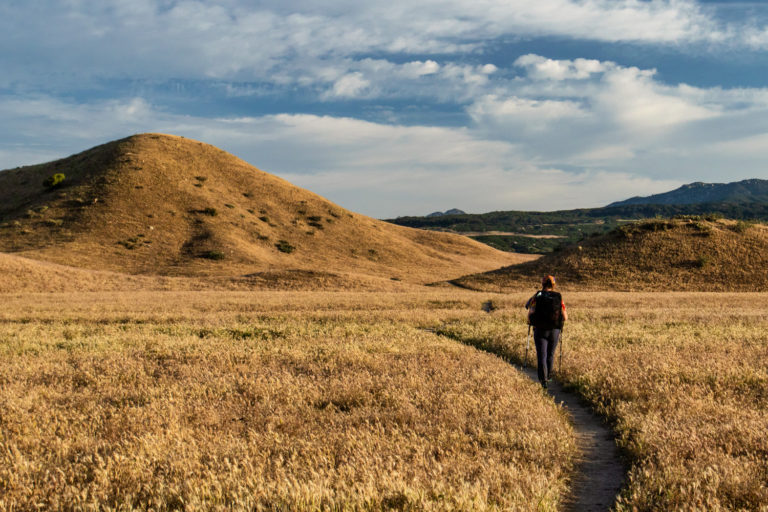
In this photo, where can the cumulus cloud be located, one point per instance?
(351, 85)
(515, 114)
(582, 101)
(595, 115)
(550, 69)
(640, 104)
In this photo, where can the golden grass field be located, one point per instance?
(342, 401)
(265, 401)
(684, 379)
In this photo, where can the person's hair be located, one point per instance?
(548, 282)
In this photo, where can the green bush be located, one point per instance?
(55, 180)
(742, 226)
(702, 261)
(284, 246)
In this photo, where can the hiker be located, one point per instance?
(546, 313)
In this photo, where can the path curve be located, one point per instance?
(599, 473)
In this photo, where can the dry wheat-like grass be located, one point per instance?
(265, 401)
(683, 376)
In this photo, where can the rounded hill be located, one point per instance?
(692, 254)
(166, 205)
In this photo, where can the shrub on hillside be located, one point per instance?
(212, 255)
(702, 261)
(742, 226)
(54, 180)
(284, 246)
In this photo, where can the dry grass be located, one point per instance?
(684, 378)
(31, 276)
(265, 401)
(160, 204)
(662, 254)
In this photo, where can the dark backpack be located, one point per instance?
(548, 311)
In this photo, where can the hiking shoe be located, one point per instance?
(544, 385)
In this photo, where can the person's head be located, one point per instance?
(548, 283)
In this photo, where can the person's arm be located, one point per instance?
(565, 312)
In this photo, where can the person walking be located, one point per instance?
(547, 314)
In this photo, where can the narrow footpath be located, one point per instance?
(599, 472)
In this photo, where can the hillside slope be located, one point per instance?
(680, 254)
(166, 205)
(25, 275)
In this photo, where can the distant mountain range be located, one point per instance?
(544, 232)
(747, 191)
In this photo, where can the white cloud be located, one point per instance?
(515, 114)
(585, 103)
(350, 86)
(418, 68)
(549, 69)
(640, 104)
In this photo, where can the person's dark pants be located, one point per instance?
(546, 343)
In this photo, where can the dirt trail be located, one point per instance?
(599, 472)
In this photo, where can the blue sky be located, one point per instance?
(401, 107)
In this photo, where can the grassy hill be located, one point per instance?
(166, 205)
(523, 230)
(676, 254)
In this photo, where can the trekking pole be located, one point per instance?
(560, 364)
(527, 344)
